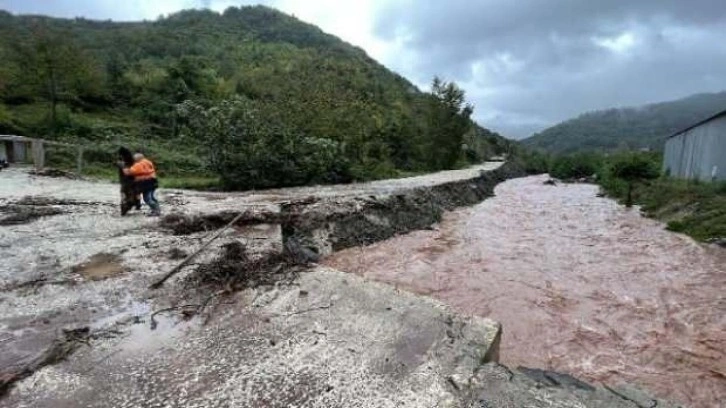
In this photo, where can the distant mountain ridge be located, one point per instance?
(646, 126)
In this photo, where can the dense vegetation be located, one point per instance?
(695, 208)
(644, 127)
(250, 97)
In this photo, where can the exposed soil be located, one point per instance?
(30, 208)
(332, 224)
(185, 224)
(23, 214)
(100, 266)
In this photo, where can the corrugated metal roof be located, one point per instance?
(710, 118)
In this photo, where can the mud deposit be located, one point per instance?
(580, 284)
(100, 266)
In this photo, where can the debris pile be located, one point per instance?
(14, 214)
(186, 224)
(31, 208)
(236, 270)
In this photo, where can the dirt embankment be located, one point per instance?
(329, 223)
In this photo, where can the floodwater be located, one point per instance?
(580, 284)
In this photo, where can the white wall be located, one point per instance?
(695, 153)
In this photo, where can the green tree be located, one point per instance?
(449, 120)
(57, 69)
(249, 146)
(633, 168)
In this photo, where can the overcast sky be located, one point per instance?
(525, 64)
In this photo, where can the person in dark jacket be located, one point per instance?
(145, 181)
(130, 198)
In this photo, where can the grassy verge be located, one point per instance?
(694, 208)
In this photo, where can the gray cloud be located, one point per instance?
(531, 63)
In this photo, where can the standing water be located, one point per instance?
(580, 284)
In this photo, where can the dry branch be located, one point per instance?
(189, 258)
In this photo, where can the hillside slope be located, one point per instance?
(627, 128)
(107, 83)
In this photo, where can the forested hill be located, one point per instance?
(252, 95)
(628, 128)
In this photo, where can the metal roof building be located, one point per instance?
(699, 151)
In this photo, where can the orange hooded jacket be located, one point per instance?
(142, 170)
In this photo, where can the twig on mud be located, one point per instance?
(168, 309)
(312, 309)
(197, 309)
(212, 296)
(529, 285)
(206, 301)
(188, 259)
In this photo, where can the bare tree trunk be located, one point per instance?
(629, 198)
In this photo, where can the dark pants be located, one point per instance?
(147, 188)
(130, 198)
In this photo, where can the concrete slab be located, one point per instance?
(328, 340)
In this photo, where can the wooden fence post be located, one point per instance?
(79, 161)
(36, 145)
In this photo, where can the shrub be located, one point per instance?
(575, 166)
(249, 146)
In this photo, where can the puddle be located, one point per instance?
(142, 338)
(100, 266)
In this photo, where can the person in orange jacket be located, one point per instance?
(145, 181)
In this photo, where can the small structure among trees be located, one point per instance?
(21, 149)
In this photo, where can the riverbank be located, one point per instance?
(581, 285)
(693, 208)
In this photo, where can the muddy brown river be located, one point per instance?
(580, 284)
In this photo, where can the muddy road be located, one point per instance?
(76, 308)
(579, 283)
(69, 261)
